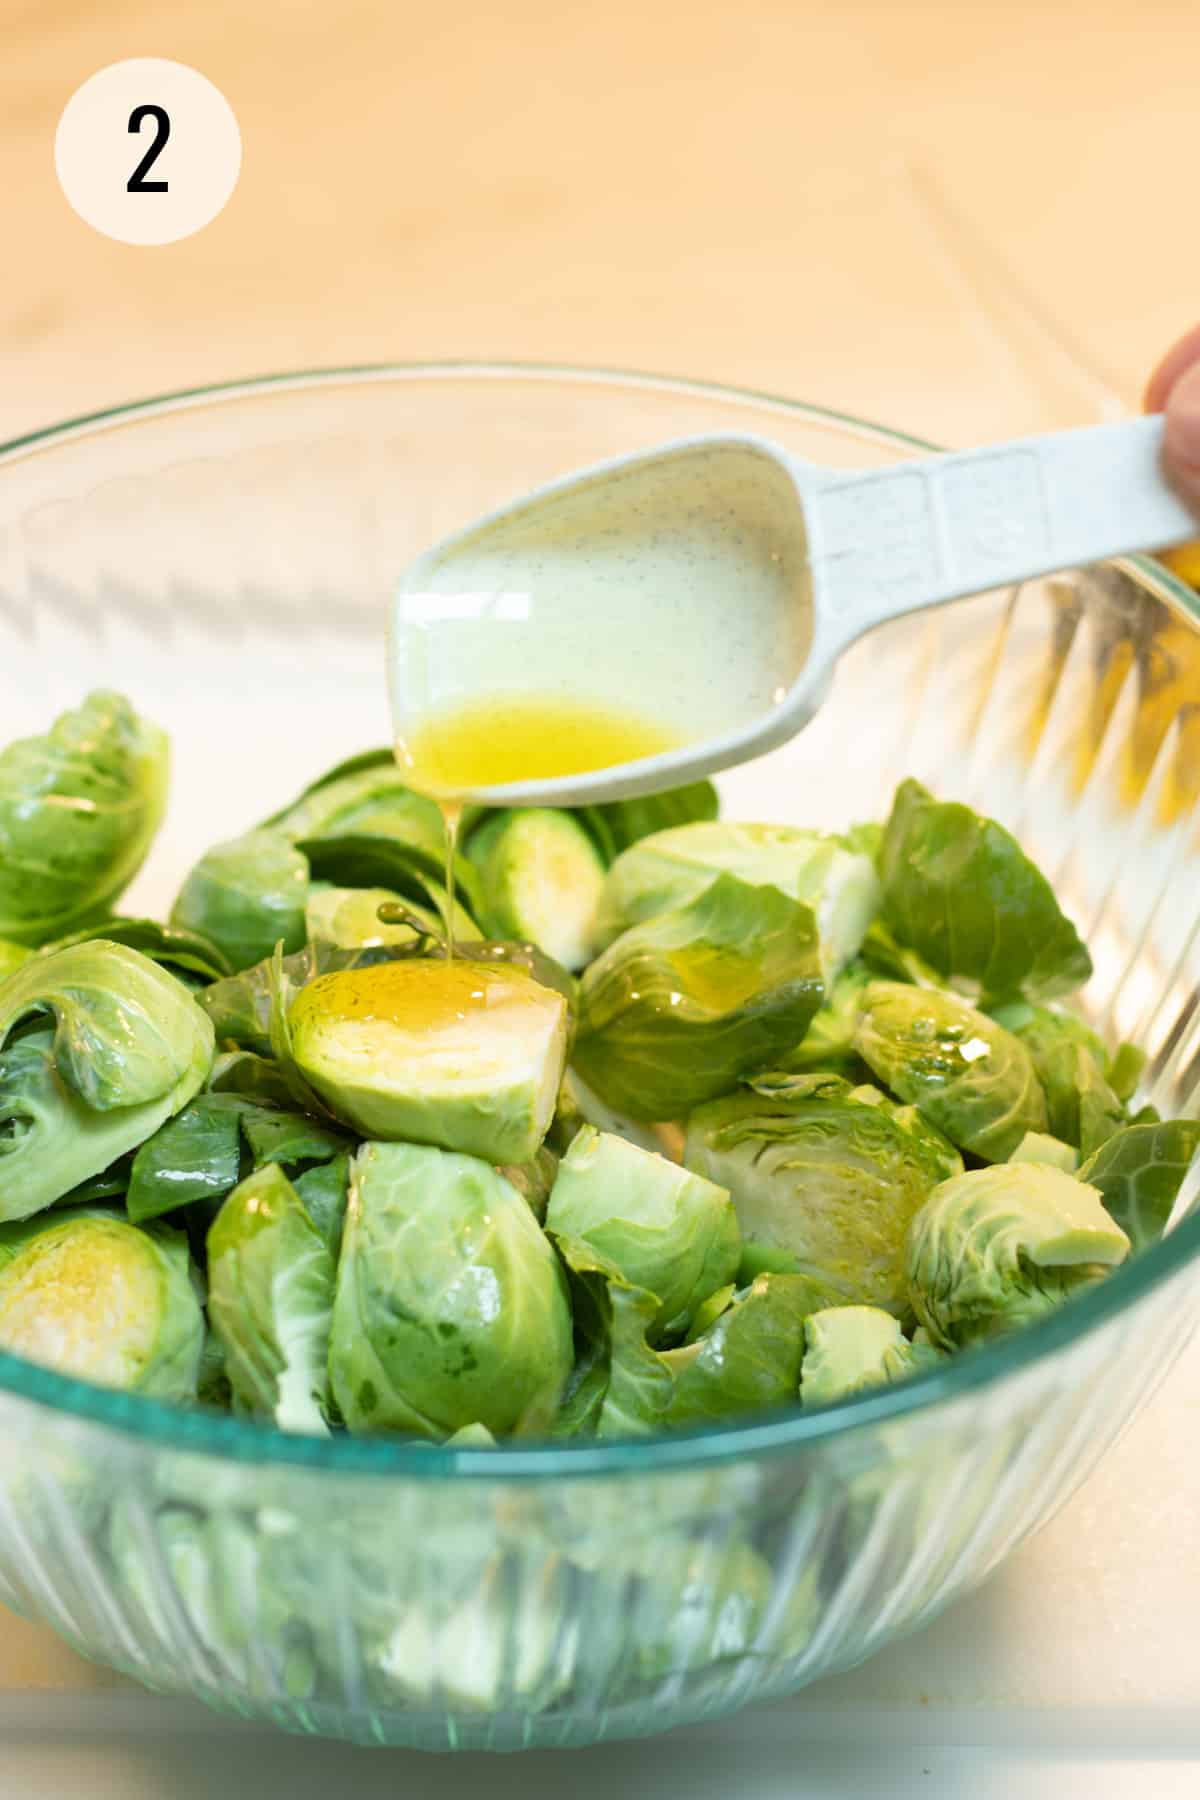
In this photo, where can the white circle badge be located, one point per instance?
(148, 151)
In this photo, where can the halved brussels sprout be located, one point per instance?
(851, 1348)
(461, 1054)
(1139, 1172)
(1070, 1061)
(87, 1294)
(672, 868)
(971, 1078)
(682, 1006)
(79, 808)
(270, 1300)
(664, 1227)
(451, 1308)
(960, 891)
(128, 1048)
(825, 1178)
(247, 895)
(541, 878)
(996, 1248)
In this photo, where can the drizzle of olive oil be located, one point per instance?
(522, 737)
(414, 995)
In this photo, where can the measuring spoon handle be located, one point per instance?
(887, 542)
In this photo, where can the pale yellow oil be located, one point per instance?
(414, 996)
(489, 742)
(526, 737)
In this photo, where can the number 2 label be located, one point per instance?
(137, 183)
(109, 147)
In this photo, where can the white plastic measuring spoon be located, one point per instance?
(711, 585)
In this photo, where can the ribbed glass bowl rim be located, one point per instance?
(161, 1427)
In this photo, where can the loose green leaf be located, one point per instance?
(960, 891)
(1138, 1173)
(750, 1360)
(195, 1156)
(617, 824)
(1070, 1062)
(188, 954)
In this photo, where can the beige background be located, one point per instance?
(959, 218)
(704, 188)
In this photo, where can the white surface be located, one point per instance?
(1074, 1672)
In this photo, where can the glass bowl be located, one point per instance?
(224, 557)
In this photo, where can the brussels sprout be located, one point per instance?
(79, 808)
(247, 896)
(825, 1178)
(270, 1299)
(827, 1047)
(1070, 1062)
(128, 1048)
(679, 1008)
(1037, 1147)
(618, 1386)
(474, 1643)
(663, 1227)
(378, 862)
(367, 802)
(1138, 1173)
(86, 1294)
(617, 824)
(961, 892)
(971, 1078)
(997, 1248)
(883, 955)
(700, 1603)
(460, 1054)
(673, 868)
(451, 1308)
(191, 956)
(750, 1360)
(348, 918)
(541, 878)
(851, 1348)
(237, 1594)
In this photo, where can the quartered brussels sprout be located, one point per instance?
(971, 1078)
(87, 1294)
(997, 1248)
(247, 896)
(749, 1361)
(127, 1048)
(851, 1348)
(672, 868)
(825, 1177)
(682, 1006)
(1138, 1173)
(1071, 1064)
(79, 808)
(270, 1300)
(461, 1054)
(663, 1227)
(541, 878)
(960, 891)
(451, 1308)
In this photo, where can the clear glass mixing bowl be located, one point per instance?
(224, 557)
